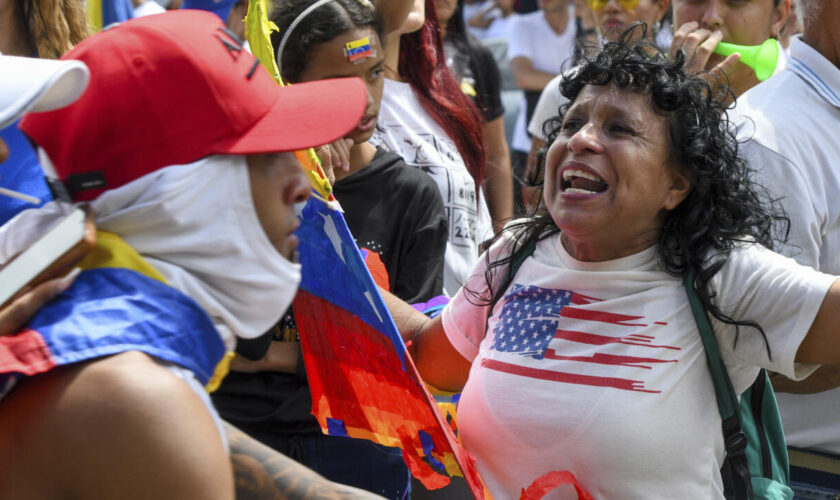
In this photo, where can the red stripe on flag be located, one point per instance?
(595, 339)
(569, 378)
(609, 359)
(26, 353)
(582, 300)
(601, 316)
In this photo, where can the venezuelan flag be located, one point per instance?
(118, 304)
(363, 383)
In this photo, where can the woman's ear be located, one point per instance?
(780, 15)
(680, 187)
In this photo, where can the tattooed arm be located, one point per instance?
(262, 473)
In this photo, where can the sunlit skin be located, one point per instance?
(744, 22)
(615, 135)
(277, 183)
(613, 19)
(327, 60)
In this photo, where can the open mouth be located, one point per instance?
(578, 181)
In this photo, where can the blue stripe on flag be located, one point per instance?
(334, 270)
(111, 310)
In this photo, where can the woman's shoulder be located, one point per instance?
(741, 253)
(749, 263)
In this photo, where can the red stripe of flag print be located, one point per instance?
(532, 317)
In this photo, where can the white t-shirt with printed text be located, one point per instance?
(597, 368)
(405, 128)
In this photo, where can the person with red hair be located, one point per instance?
(425, 118)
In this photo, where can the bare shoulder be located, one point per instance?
(118, 427)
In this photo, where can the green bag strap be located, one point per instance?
(727, 401)
(728, 406)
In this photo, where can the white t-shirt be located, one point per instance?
(793, 121)
(550, 101)
(597, 368)
(530, 35)
(405, 128)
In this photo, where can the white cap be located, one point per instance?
(29, 84)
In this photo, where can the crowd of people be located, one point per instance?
(653, 171)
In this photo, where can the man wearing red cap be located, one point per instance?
(101, 395)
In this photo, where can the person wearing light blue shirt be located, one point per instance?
(791, 125)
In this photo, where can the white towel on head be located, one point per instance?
(197, 225)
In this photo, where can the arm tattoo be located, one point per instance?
(262, 473)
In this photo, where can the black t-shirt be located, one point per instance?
(396, 211)
(475, 69)
(391, 209)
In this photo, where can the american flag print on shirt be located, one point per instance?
(535, 321)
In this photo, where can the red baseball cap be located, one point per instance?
(173, 88)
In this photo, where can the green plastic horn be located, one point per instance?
(762, 58)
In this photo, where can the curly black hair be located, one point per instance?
(322, 25)
(723, 208)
